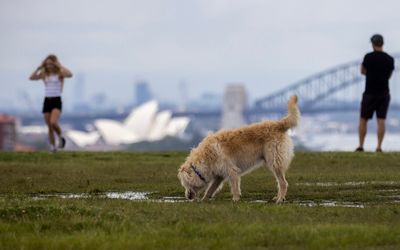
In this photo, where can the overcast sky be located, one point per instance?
(207, 43)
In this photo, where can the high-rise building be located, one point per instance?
(80, 101)
(183, 96)
(79, 90)
(8, 134)
(142, 92)
(234, 106)
(99, 101)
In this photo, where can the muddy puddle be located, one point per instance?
(130, 195)
(352, 183)
(107, 195)
(310, 203)
(330, 203)
(144, 196)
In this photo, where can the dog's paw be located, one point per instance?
(280, 200)
(236, 198)
(207, 199)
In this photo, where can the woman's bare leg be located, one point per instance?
(54, 118)
(51, 131)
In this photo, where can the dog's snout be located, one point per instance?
(190, 195)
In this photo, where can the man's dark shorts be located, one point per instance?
(374, 103)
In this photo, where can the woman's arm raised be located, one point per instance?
(38, 74)
(65, 73)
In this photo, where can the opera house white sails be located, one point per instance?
(144, 123)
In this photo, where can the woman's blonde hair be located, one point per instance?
(54, 59)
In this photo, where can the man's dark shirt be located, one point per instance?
(379, 66)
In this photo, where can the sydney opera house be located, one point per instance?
(144, 123)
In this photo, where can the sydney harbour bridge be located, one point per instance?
(335, 89)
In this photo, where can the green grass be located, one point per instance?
(99, 223)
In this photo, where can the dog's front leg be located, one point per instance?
(213, 187)
(234, 179)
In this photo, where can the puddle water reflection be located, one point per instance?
(127, 195)
(110, 195)
(130, 195)
(316, 204)
(330, 204)
(143, 196)
(351, 183)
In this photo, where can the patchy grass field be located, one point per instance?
(335, 200)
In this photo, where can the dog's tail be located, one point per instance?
(293, 117)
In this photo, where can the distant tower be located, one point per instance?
(79, 91)
(183, 95)
(99, 100)
(142, 92)
(234, 105)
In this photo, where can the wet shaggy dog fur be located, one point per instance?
(229, 154)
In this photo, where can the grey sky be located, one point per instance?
(206, 43)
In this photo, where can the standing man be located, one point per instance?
(377, 66)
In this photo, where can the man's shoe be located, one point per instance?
(359, 149)
(379, 150)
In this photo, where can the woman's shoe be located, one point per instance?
(62, 142)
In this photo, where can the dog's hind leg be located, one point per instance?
(215, 186)
(279, 173)
(277, 160)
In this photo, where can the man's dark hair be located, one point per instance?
(377, 40)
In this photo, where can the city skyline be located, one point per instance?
(206, 44)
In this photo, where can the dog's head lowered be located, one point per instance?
(190, 181)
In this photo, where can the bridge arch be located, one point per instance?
(317, 87)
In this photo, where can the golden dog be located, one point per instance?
(229, 154)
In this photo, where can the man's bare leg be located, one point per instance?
(381, 134)
(362, 132)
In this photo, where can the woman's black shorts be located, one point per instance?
(51, 103)
(372, 103)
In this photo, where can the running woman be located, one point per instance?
(52, 73)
